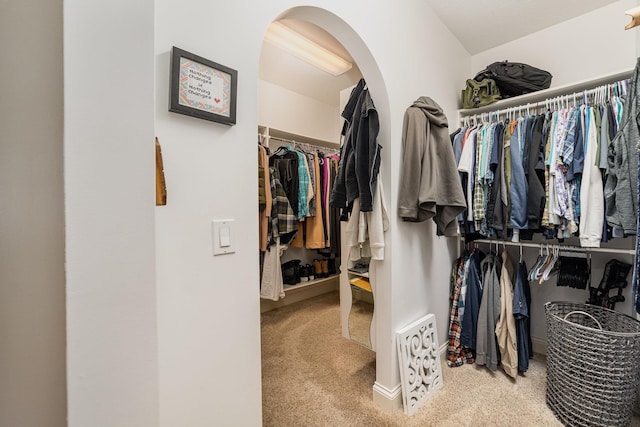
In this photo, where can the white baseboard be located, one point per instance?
(387, 400)
(302, 292)
(443, 349)
(539, 345)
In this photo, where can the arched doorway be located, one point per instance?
(361, 56)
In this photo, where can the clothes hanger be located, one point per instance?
(280, 149)
(534, 270)
(553, 265)
(536, 264)
(540, 268)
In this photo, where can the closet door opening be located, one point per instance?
(306, 78)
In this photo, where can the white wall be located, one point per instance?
(421, 261)
(32, 319)
(588, 46)
(208, 306)
(292, 112)
(109, 193)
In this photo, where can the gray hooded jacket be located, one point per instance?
(429, 182)
(621, 185)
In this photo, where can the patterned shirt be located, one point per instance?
(457, 355)
(478, 194)
(283, 221)
(303, 189)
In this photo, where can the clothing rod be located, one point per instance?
(562, 247)
(291, 141)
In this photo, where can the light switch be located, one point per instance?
(225, 237)
(221, 234)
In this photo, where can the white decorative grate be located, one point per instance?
(418, 355)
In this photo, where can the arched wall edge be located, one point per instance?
(386, 390)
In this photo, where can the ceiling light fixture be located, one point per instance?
(286, 39)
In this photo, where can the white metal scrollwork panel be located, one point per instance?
(419, 358)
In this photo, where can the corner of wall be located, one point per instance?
(386, 399)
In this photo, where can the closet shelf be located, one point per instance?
(302, 285)
(355, 273)
(523, 100)
(283, 135)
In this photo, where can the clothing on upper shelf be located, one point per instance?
(429, 185)
(547, 173)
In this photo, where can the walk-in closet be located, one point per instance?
(312, 245)
(119, 312)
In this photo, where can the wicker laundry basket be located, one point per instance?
(593, 364)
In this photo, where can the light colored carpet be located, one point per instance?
(312, 376)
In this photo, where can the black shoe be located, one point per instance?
(332, 266)
(304, 273)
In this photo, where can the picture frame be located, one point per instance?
(202, 88)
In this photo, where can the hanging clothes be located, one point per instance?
(335, 243)
(548, 178)
(351, 188)
(591, 195)
(282, 229)
(265, 183)
(457, 354)
(535, 176)
(271, 282)
(285, 161)
(360, 153)
(621, 188)
(283, 224)
(486, 342)
(315, 224)
(506, 325)
(521, 310)
(429, 186)
(472, 301)
(622, 143)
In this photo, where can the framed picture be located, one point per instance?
(201, 88)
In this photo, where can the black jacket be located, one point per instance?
(359, 154)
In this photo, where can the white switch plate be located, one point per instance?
(222, 236)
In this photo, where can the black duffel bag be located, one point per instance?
(514, 78)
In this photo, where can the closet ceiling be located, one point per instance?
(285, 70)
(478, 25)
(483, 24)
